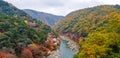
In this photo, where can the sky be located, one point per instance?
(59, 7)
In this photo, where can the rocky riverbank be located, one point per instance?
(71, 44)
(54, 54)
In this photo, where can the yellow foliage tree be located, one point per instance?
(26, 21)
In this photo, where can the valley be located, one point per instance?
(64, 51)
(92, 32)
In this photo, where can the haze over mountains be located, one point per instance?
(49, 19)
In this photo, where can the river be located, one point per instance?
(65, 51)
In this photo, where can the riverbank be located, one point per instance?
(71, 44)
(54, 54)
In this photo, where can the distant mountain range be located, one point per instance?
(47, 18)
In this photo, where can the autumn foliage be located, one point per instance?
(96, 29)
(104, 42)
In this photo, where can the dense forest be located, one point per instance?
(96, 29)
(22, 36)
(14, 30)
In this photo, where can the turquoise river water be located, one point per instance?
(65, 51)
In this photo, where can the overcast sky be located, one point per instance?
(59, 7)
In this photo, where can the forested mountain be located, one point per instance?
(10, 10)
(14, 30)
(10, 15)
(81, 22)
(49, 19)
(96, 29)
(21, 36)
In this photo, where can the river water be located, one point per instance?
(65, 51)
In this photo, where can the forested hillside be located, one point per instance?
(10, 20)
(81, 22)
(10, 10)
(96, 29)
(23, 37)
(14, 30)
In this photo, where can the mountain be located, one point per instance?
(19, 25)
(96, 29)
(81, 22)
(10, 10)
(21, 36)
(49, 19)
